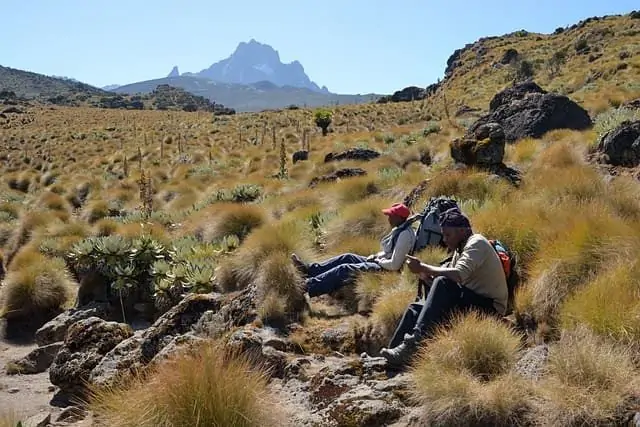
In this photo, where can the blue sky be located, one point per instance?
(351, 46)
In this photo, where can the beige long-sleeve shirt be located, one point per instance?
(481, 271)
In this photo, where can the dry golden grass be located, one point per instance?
(589, 382)
(609, 304)
(280, 289)
(228, 219)
(463, 376)
(41, 286)
(8, 418)
(211, 387)
(243, 266)
(570, 228)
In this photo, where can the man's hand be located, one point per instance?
(372, 258)
(414, 264)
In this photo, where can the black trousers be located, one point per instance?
(444, 297)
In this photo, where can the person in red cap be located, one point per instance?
(332, 274)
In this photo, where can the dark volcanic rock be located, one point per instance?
(196, 316)
(56, 329)
(526, 110)
(353, 154)
(84, 347)
(299, 156)
(509, 56)
(484, 147)
(339, 174)
(38, 360)
(514, 93)
(621, 146)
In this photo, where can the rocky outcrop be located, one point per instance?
(526, 110)
(85, 345)
(299, 156)
(339, 174)
(336, 391)
(56, 329)
(509, 56)
(635, 104)
(363, 154)
(484, 146)
(621, 146)
(197, 316)
(37, 361)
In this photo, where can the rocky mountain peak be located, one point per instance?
(174, 72)
(253, 62)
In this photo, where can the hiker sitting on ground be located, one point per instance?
(473, 278)
(332, 274)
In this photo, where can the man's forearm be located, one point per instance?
(449, 273)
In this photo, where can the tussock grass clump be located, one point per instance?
(243, 266)
(462, 184)
(209, 387)
(364, 218)
(52, 201)
(588, 382)
(95, 210)
(351, 190)
(39, 288)
(462, 376)
(230, 219)
(391, 302)
(105, 227)
(280, 289)
(586, 246)
(29, 222)
(9, 211)
(609, 304)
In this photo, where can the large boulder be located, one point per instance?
(526, 110)
(56, 329)
(621, 146)
(353, 154)
(85, 345)
(483, 147)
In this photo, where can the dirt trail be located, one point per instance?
(24, 395)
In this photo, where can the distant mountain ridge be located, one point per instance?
(254, 62)
(257, 96)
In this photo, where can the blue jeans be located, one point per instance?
(443, 299)
(336, 272)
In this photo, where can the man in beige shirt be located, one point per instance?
(473, 278)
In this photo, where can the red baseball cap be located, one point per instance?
(398, 209)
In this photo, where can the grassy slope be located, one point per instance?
(568, 258)
(32, 85)
(596, 84)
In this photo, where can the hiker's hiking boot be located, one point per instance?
(401, 354)
(300, 265)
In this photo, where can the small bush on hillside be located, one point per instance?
(463, 375)
(28, 223)
(210, 387)
(41, 288)
(94, 211)
(323, 120)
(589, 382)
